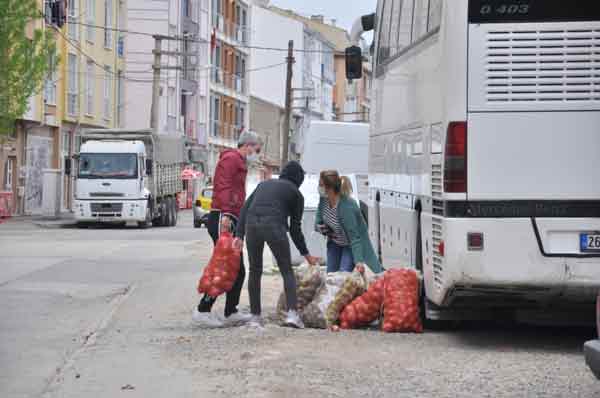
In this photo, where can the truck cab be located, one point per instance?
(112, 183)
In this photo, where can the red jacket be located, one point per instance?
(229, 183)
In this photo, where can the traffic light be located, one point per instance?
(354, 63)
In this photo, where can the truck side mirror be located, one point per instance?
(354, 63)
(68, 166)
(148, 167)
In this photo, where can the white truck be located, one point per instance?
(125, 176)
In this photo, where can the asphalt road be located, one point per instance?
(106, 313)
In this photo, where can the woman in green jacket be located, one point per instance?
(340, 219)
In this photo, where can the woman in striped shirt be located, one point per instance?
(340, 219)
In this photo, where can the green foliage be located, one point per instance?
(24, 59)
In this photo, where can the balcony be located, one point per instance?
(236, 34)
(231, 84)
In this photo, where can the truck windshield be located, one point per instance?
(494, 11)
(108, 165)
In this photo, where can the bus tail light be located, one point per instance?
(442, 248)
(455, 161)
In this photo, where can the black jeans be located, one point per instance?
(271, 232)
(232, 299)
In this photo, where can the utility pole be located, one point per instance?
(156, 82)
(285, 135)
(157, 68)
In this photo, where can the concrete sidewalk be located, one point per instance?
(66, 219)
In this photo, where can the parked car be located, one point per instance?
(202, 207)
(591, 349)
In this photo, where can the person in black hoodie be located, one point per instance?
(264, 219)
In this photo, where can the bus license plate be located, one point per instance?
(590, 242)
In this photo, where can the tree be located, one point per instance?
(27, 55)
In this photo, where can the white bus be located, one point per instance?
(485, 152)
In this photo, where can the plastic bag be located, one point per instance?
(401, 302)
(221, 272)
(365, 309)
(314, 313)
(308, 280)
(354, 286)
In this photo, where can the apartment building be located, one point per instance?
(227, 82)
(267, 86)
(314, 76)
(81, 92)
(93, 72)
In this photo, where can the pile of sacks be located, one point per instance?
(358, 299)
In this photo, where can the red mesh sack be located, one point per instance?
(221, 272)
(401, 302)
(364, 309)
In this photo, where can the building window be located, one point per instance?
(90, 13)
(187, 8)
(217, 18)
(217, 73)
(8, 175)
(73, 15)
(107, 92)
(108, 23)
(50, 87)
(244, 26)
(215, 113)
(48, 11)
(72, 85)
(66, 143)
(89, 88)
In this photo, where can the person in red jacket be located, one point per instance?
(229, 195)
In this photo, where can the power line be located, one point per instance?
(202, 41)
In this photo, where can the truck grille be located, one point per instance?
(550, 66)
(104, 208)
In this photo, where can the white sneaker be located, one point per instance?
(293, 320)
(206, 320)
(239, 318)
(255, 322)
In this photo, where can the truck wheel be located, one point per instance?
(164, 213)
(170, 215)
(174, 212)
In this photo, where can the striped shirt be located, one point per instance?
(330, 218)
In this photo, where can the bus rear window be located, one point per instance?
(497, 11)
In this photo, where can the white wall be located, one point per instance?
(156, 17)
(273, 30)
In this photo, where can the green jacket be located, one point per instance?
(356, 231)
